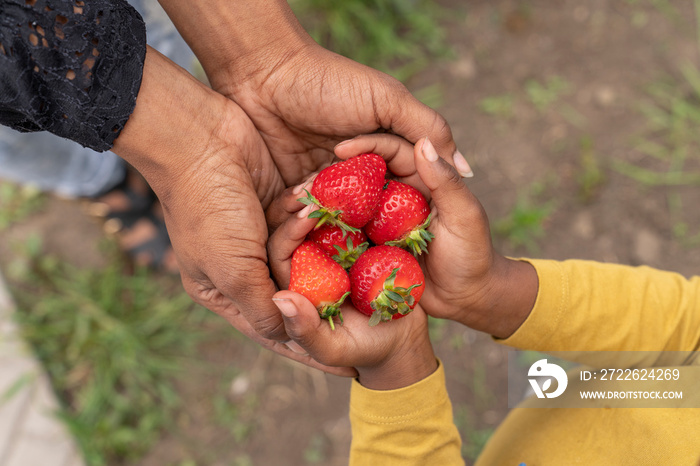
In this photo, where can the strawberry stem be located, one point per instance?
(392, 300)
(347, 257)
(417, 240)
(329, 311)
(324, 215)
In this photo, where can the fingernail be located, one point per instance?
(304, 213)
(298, 189)
(343, 142)
(294, 346)
(462, 166)
(429, 151)
(304, 185)
(286, 306)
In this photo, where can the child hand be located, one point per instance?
(387, 356)
(466, 279)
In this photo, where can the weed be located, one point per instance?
(395, 36)
(112, 344)
(437, 328)
(669, 146)
(474, 439)
(457, 341)
(524, 225)
(498, 105)
(18, 202)
(242, 460)
(16, 387)
(433, 95)
(542, 96)
(314, 452)
(238, 416)
(590, 176)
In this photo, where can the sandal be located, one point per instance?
(132, 213)
(147, 242)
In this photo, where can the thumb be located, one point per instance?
(305, 326)
(450, 194)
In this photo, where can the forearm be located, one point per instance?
(408, 426)
(176, 121)
(73, 71)
(231, 38)
(589, 306)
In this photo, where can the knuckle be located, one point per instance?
(269, 326)
(452, 179)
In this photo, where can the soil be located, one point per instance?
(609, 52)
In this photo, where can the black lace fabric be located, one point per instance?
(72, 67)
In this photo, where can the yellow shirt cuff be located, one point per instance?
(552, 300)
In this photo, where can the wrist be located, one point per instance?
(234, 42)
(413, 362)
(162, 138)
(508, 298)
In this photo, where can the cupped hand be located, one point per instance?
(466, 279)
(307, 100)
(213, 176)
(390, 355)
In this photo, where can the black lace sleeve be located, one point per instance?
(71, 67)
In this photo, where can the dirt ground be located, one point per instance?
(608, 53)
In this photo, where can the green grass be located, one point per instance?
(524, 224)
(498, 105)
(314, 453)
(236, 416)
(540, 94)
(473, 438)
(543, 94)
(399, 37)
(669, 147)
(113, 345)
(437, 328)
(590, 176)
(18, 202)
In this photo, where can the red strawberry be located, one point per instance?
(402, 219)
(343, 247)
(387, 282)
(348, 191)
(319, 279)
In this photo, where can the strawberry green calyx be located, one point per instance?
(417, 240)
(392, 300)
(347, 257)
(324, 215)
(331, 310)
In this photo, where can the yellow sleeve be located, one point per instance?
(590, 306)
(404, 427)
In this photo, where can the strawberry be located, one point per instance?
(402, 219)
(347, 192)
(386, 282)
(319, 279)
(343, 247)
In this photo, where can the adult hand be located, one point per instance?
(302, 98)
(339, 99)
(213, 175)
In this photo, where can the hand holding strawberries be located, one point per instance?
(385, 356)
(466, 279)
